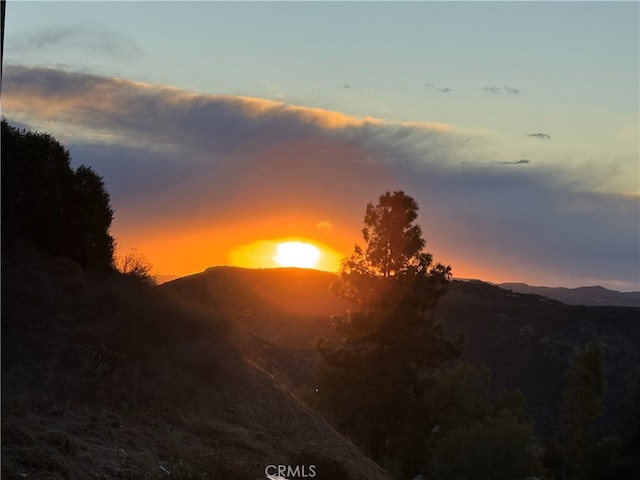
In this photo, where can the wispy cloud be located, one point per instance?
(541, 136)
(522, 161)
(170, 157)
(439, 89)
(500, 90)
(94, 38)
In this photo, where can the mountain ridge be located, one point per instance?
(594, 295)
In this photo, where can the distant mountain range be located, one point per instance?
(593, 296)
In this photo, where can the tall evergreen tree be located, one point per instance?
(372, 384)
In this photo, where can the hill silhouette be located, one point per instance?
(105, 376)
(526, 340)
(580, 296)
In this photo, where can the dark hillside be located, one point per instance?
(293, 291)
(104, 376)
(289, 307)
(279, 313)
(528, 342)
(525, 339)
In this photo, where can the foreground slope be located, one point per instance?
(526, 340)
(106, 377)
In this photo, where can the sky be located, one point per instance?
(222, 129)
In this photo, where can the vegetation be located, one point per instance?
(373, 383)
(392, 271)
(580, 453)
(385, 386)
(497, 447)
(582, 403)
(629, 410)
(50, 207)
(134, 264)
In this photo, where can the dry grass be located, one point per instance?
(106, 377)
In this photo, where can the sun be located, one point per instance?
(297, 254)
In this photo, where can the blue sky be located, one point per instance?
(514, 124)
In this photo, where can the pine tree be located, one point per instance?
(372, 384)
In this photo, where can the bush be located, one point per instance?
(135, 264)
(498, 447)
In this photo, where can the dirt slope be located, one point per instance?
(107, 378)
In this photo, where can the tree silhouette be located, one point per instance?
(498, 447)
(91, 219)
(629, 411)
(585, 385)
(372, 384)
(49, 206)
(477, 437)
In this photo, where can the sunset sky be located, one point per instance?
(222, 129)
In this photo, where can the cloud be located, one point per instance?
(94, 38)
(440, 89)
(522, 161)
(500, 90)
(324, 225)
(541, 136)
(238, 167)
(135, 113)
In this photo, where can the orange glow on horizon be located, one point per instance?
(191, 251)
(191, 246)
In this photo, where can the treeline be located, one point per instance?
(48, 206)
